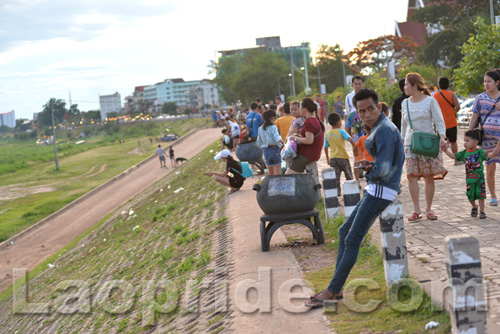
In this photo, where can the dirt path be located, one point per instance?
(40, 242)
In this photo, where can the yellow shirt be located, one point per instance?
(335, 139)
(283, 124)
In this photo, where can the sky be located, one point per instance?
(87, 48)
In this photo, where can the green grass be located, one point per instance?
(176, 248)
(74, 178)
(384, 318)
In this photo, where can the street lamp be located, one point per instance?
(279, 88)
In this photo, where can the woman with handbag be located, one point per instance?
(421, 118)
(488, 115)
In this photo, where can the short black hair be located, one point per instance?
(443, 83)
(286, 108)
(334, 118)
(358, 77)
(401, 84)
(253, 106)
(474, 134)
(224, 131)
(278, 98)
(273, 107)
(364, 94)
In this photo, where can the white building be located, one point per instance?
(203, 94)
(8, 119)
(110, 103)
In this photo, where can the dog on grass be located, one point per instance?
(180, 160)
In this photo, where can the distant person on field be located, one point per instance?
(172, 156)
(396, 105)
(335, 140)
(473, 158)
(448, 102)
(161, 155)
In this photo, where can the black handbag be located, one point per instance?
(480, 123)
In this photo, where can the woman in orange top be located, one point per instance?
(448, 102)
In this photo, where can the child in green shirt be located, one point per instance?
(473, 158)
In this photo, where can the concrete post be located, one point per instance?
(463, 264)
(351, 196)
(330, 193)
(394, 243)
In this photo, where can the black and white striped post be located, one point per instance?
(330, 193)
(463, 265)
(394, 243)
(351, 196)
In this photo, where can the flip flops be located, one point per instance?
(494, 202)
(431, 216)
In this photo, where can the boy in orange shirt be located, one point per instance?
(362, 152)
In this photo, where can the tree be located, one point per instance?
(252, 74)
(452, 22)
(377, 53)
(169, 108)
(45, 117)
(329, 60)
(92, 115)
(480, 54)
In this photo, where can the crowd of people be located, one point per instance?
(382, 145)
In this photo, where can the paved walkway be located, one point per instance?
(425, 239)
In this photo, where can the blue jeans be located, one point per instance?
(351, 234)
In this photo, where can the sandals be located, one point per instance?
(337, 296)
(316, 302)
(494, 202)
(482, 215)
(415, 216)
(431, 216)
(473, 212)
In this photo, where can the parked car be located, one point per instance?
(465, 113)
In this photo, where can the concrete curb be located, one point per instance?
(90, 193)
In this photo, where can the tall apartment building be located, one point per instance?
(110, 103)
(206, 93)
(8, 119)
(137, 96)
(170, 90)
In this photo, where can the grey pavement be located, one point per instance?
(425, 239)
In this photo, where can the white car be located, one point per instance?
(465, 113)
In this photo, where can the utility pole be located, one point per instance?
(293, 72)
(492, 13)
(319, 75)
(54, 133)
(305, 67)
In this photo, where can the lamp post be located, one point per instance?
(54, 133)
(305, 66)
(281, 76)
(492, 13)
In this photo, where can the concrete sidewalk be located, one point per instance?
(274, 313)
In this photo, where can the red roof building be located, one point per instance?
(417, 31)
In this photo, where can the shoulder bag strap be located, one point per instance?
(408, 111)
(491, 110)
(452, 105)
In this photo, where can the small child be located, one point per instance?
(335, 139)
(362, 152)
(473, 158)
(270, 140)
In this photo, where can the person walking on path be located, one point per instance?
(448, 102)
(383, 178)
(484, 104)
(310, 141)
(254, 121)
(423, 111)
(283, 123)
(172, 156)
(335, 140)
(231, 177)
(160, 152)
(270, 140)
(473, 158)
(396, 105)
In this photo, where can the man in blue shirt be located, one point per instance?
(254, 121)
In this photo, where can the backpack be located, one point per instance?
(246, 170)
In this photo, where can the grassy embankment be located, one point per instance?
(384, 319)
(41, 190)
(167, 234)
